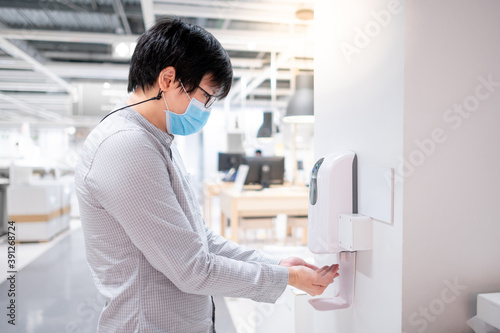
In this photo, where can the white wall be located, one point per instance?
(452, 186)
(419, 92)
(358, 84)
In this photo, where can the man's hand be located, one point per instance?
(295, 261)
(313, 282)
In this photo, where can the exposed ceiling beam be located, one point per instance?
(148, 15)
(247, 62)
(42, 98)
(53, 108)
(237, 40)
(68, 6)
(59, 103)
(26, 48)
(38, 112)
(267, 92)
(66, 36)
(31, 86)
(22, 76)
(91, 56)
(93, 4)
(81, 56)
(259, 103)
(17, 52)
(240, 94)
(118, 7)
(90, 71)
(225, 24)
(274, 5)
(254, 15)
(264, 27)
(98, 71)
(120, 71)
(8, 62)
(201, 21)
(271, 12)
(12, 115)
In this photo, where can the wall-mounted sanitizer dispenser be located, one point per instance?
(333, 198)
(332, 191)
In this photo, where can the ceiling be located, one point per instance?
(50, 49)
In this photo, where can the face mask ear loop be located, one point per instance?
(185, 91)
(158, 97)
(165, 101)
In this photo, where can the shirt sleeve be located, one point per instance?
(227, 248)
(129, 178)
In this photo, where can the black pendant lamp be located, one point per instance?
(300, 109)
(266, 129)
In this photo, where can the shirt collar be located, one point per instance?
(136, 117)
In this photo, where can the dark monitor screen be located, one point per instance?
(265, 170)
(229, 160)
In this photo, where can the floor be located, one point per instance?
(55, 293)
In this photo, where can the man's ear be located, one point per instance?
(166, 79)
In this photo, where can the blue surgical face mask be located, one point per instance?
(191, 121)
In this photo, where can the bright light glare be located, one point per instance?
(299, 119)
(71, 130)
(251, 45)
(122, 50)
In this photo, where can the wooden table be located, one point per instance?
(211, 189)
(272, 201)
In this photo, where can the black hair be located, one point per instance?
(190, 49)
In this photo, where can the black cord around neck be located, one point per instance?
(157, 97)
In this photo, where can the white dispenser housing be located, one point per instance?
(332, 191)
(332, 195)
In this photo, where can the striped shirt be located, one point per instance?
(148, 250)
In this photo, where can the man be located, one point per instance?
(148, 249)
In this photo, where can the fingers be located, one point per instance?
(328, 270)
(318, 279)
(313, 267)
(327, 275)
(323, 269)
(296, 261)
(332, 273)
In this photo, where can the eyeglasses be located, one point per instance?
(211, 98)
